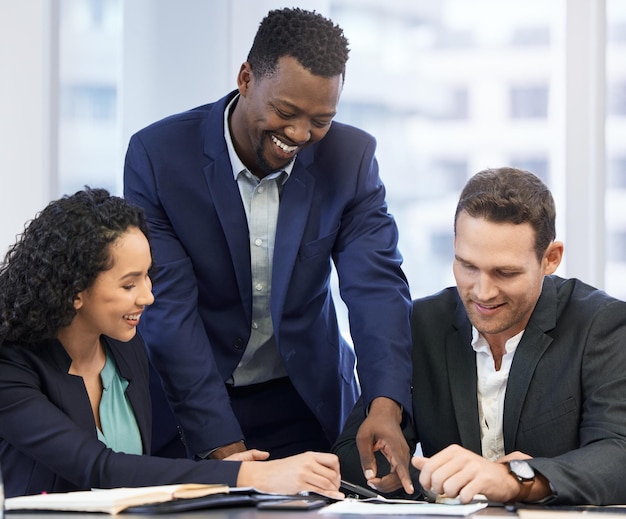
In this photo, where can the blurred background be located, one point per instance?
(447, 87)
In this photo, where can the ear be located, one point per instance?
(552, 257)
(78, 301)
(244, 79)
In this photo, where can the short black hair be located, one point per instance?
(59, 254)
(511, 195)
(314, 41)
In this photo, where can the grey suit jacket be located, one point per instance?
(565, 402)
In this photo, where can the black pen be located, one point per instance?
(356, 491)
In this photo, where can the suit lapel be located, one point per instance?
(224, 193)
(71, 390)
(529, 351)
(292, 216)
(462, 376)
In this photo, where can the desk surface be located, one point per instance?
(253, 513)
(240, 513)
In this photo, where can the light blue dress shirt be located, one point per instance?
(120, 431)
(261, 360)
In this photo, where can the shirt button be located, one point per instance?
(258, 242)
(259, 286)
(255, 325)
(260, 189)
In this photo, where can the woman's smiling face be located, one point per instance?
(113, 304)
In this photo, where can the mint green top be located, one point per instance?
(120, 431)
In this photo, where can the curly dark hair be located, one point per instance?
(514, 196)
(316, 42)
(59, 254)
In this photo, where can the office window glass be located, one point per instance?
(88, 103)
(538, 35)
(616, 173)
(89, 64)
(538, 165)
(615, 196)
(616, 99)
(616, 252)
(448, 91)
(529, 101)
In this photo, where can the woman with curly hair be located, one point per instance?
(74, 394)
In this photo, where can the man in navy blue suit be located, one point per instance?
(250, 200)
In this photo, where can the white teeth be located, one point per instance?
(132, 317)
(283, 146)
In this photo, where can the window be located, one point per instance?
(445, 89)
(531, 35)
(615, 195)
(89, 103)
(538, 165)
(469, 92)
(616, 250)
(529, 101)
(616, 99)
(616, 173)
(90, 64)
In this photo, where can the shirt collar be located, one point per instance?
(479, 343)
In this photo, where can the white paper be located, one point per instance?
(398, 507)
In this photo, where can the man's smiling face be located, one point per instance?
(280, 114)
(498, 274)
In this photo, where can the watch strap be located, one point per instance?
(525, 485)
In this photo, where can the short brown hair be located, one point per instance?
(514, 196)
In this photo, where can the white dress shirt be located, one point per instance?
(491, 388)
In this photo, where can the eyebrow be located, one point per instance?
(298, 109)
(131, 275)
(513, 268)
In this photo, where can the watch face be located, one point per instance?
(521, 469)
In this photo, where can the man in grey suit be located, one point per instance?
(519, 376)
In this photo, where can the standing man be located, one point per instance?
(249, 200)
(519, 375)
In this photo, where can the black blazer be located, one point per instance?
(48, 438)
(565, 401)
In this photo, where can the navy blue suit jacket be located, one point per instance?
(565, 401)
(332, 208)
(48, 438)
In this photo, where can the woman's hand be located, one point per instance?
(249, 455)
(308, 472)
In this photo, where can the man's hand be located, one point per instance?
(227, 450)
(381, 431)
(458, 472)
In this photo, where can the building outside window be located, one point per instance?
(446, 91)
